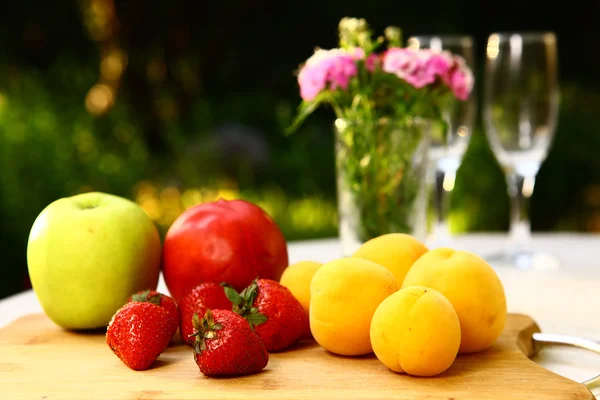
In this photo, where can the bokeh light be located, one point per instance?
(99, 99)
(113, 65)
(98, 18)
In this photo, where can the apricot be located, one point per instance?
(395, 251)
(297, 277)
(473, 288)
(416, 331)
(344, 295)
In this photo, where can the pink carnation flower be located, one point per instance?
(413, 66)
(459, 78)
(326, 69)
(423, 67)
(438, 64)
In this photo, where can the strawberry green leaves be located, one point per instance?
(243, 303)
(206, 328)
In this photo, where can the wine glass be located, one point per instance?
(520, 110)
(446, 157)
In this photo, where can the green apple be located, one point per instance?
(87, 254)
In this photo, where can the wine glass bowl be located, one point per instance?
(521, 98)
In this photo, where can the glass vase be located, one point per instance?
(381, 168)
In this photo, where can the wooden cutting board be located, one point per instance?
(38, 360)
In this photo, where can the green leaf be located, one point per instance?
(256, 319)
(233, 295)
(249, 294)
(304, 111)
(196, 322)
(141, 296)
(154, 299)
(306, 108)
(145, 297)
(208, 317)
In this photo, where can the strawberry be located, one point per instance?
(138, 333)
(207, 295)
(273, 311)
(225, 345)
(166, 302)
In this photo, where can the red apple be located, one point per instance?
(224, 241)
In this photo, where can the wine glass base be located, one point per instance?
(440, 237)
(437, 241)
(524, 259)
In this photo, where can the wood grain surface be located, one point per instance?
(39, 360)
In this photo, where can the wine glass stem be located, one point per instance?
(444, 183)
(520, 189)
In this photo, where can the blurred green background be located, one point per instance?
(175, 103)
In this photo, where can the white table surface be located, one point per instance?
(563, 301)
